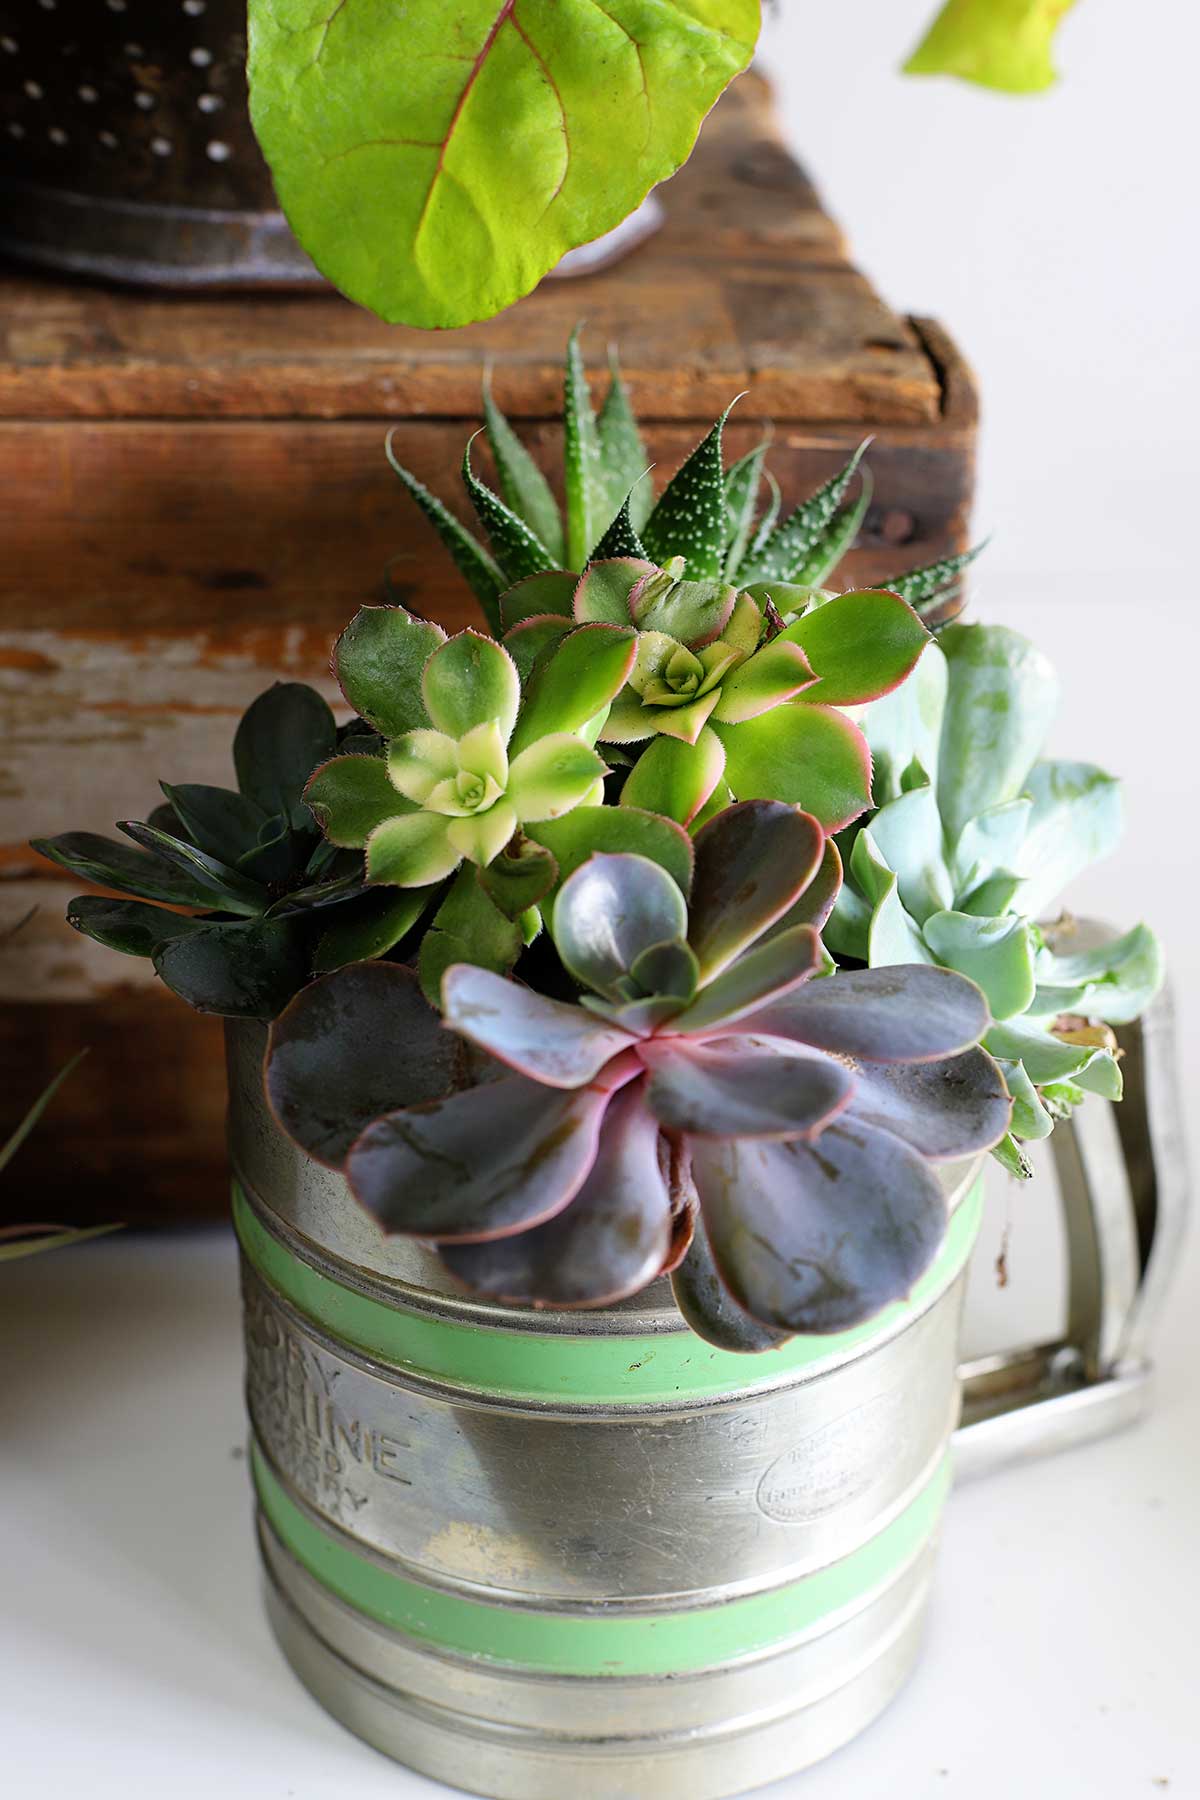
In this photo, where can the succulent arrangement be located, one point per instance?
(682, 923)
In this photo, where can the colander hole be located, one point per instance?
(57, 135)
(88, 95)
(34, 90)
(108, 139)
(146, 101)
(210, 103)
(216, 151)
(47, 5)
(194, 7)
(135, 50)
(115, 5)
(161, 146)
(15, 129)
(199, 57)
(10, 45)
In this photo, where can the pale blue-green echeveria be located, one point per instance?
(721, 704)
(705, 1091)
(974, 841)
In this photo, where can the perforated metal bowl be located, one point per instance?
(125, 145)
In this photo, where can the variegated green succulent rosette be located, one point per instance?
(976, 837)
(706, 1107)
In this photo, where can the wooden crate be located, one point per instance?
(195, 499)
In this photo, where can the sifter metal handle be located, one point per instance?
(1122, 1173)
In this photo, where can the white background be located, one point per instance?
(1058, 239)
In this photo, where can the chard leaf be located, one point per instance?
(689, 518)
(437, 161)
(517, 547)
(622, 453)
(1004, 44)
(790, 544)
(476, 565)
(522, 483)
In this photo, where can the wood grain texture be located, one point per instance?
(194, 499)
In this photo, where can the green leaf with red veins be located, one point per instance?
(753, 982)
(689, 518)
(347, 1048)
(753, 862)
(603, 590)
(810, 756)
(609, 911)
(777, 672)
(613, 830)
(552, 592)
(692, 612)
(551, 776)
(476, 565)
(623, 458)
(674, 778)
(742, 1087)
(482, 1164)
(522, 483)
(818, 1238)
(517, 547)
(577, 681)
(378, 661)
(412, 851)
(613, 1238)
(349, 796)
(860, 644)
(551, 1042)
(910, 1013)
(469, 680)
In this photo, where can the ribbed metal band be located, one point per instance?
(602, 1643)
(602, 1369)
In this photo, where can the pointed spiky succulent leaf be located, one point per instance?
(477, 566)
(695, 1072)
(623, 459)
(587, 492)
(689, 518)
(516, 546)
(794, 539)
(973, 843)
(524, 487)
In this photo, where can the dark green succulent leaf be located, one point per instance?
(115, 865)
(710, 1309)
(370, 925)
(235, 892)
(378, 661)
(933, 589)
(742, 485)
(359, 738)
(622, 452)
(551, 593)
(689, 518)
(467, 927)
(522, 483)
(281, 738)
(130, 926)
(280, 854)
(476, 565)
(163, 817)
(352, 1046)
(588, 511)
(520, 877)
(344, 880)
(621, 539)
(518, 549)
(217, 819)
(238, 969)
(837, 538)
(789, 544)
(350, 795)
